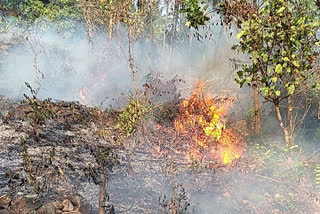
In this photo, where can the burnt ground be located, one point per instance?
(62, 162)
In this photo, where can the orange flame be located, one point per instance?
(202, 117)
(83, 93)
(97, 79)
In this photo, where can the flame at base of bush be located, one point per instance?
(202, 118)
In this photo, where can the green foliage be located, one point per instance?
(287, 170)
(41, 111)
(178, 202)
(271, 155)
(281, 43)
(274, 151)
(195, 13)
(316, 172)
(33, 10)
(63, 14)
(132, 114)
(106, 158)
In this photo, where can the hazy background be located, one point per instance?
(59, 66)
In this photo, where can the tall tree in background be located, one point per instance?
(281, 41)
(174, 23)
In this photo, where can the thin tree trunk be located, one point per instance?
(110, 27)
(286, 132)
(257, 115)
(174, 25)
(102, 194)
(291, 121)
(164, 33)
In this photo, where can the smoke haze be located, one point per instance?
(70, 67)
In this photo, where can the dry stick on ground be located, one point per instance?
(312, 159)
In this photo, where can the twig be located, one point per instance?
(268, 178)
(317, 153)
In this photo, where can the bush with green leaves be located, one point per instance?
(195, 13)
(132, 114)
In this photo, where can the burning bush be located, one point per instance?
(202, 118)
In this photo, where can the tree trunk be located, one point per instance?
(102, 194)
(257, 115)
(167, 15)
(288, 134)
(291, 121)
(110, 30)
(174, 25)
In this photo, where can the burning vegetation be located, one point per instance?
(203, 119)
(103, 107)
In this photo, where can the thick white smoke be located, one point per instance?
(94, 71)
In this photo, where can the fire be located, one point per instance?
(83, 93)
(203, 117)
(96, 81)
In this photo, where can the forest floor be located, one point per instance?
(150, 176)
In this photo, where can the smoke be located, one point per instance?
(68, 66)
(71, 67)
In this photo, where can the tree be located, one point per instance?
(281, 42)
(280, 39)
(232, 12)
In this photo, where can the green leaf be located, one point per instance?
(283, 53)
(278, 69)
(297, 43)
(295, 63)
(274, 79)
(264, 57)
(286, 59)
(241, 33)
(291, 89)
(269, 70)
(255, 55)
(248, 79)
(281, 9)
(240, 74)
(278, 93)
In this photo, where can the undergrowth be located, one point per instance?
(132, 115)
(41, 111)
(288, 174)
